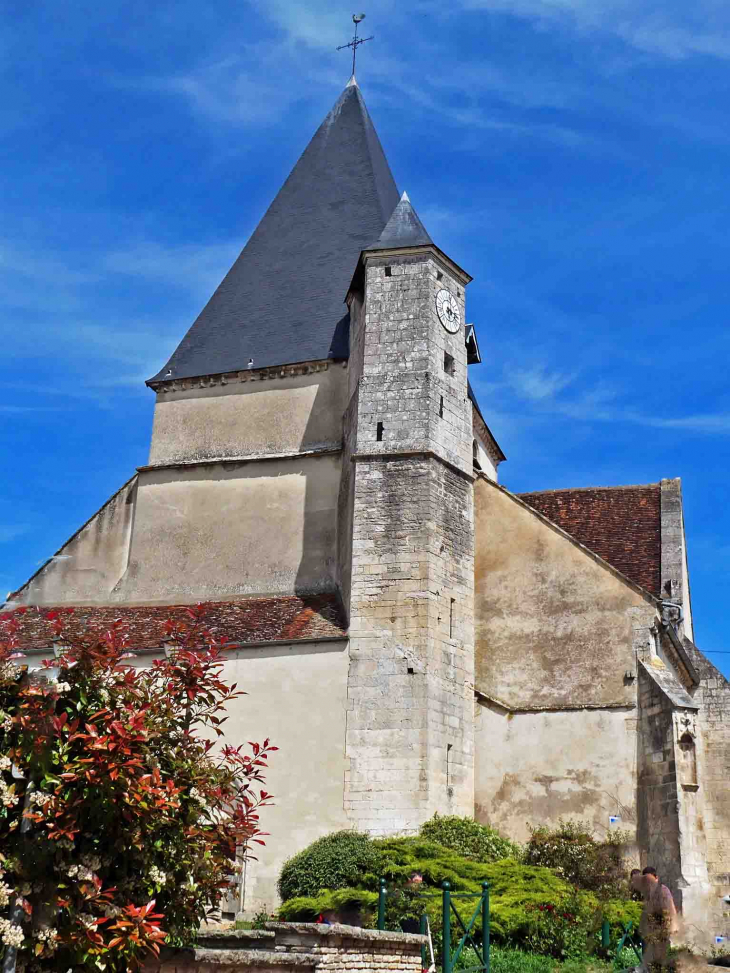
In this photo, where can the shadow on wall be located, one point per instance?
(318, 568)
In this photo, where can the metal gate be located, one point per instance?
(467, 941)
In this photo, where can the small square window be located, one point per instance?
(449, 363)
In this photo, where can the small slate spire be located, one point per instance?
(403, 229)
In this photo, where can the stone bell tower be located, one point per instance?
(408, 428)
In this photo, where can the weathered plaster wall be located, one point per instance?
(297, 696)
(236, 528)
(269, 411)
(88, 565)
(536, 768)
(554, 627)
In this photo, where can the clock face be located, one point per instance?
(448, 311)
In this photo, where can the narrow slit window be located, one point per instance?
(441, 408)
(475, 455)
(448, 363)
(451, 618)
(379, 432)
(388, 272)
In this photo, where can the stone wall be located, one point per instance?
(410, 696)
(713, 753)
(658, 798)
(674, 569)
(672, 806)
(297, 947)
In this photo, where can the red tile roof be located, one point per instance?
(620, 524)
(285, 619)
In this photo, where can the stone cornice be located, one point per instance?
(327, 449)
(409, 454)
(551, 707)
(430, 249)
(240, 375)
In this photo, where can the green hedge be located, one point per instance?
(336, 861)
(469, 839)
(305, 908)
(516, 889)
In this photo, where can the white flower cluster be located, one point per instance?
(157, 876)
(195, 794)
(65, 844)
(6, 722)
(87, 920)
(9, 672)
(7, 798)
(49, 939)
(5, 762)
(91, 861)
(5, 893)
(112, 911)
(62, 687)
(39, 798)
(80, 872)
(11, 934)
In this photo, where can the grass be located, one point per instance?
(515, 961)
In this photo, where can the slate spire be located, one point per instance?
(282, 300)
(403, 229)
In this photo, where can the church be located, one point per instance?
(414, 637)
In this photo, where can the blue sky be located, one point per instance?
(571, 154)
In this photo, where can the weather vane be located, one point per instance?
(356, 41)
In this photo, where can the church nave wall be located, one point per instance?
(267, 527)
(541, 767)
(296, 696)
(283, 410)
(555, 627)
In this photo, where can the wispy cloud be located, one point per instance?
(551, 392)
(192, 266)
(674, 29)
(538, 384)
(9, 532)
(67, 312)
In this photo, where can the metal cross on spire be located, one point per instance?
(356, 41)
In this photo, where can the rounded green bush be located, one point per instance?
(337, 861)
(471, 840)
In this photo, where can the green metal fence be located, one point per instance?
(452, 918)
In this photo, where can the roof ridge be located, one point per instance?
(618, 486)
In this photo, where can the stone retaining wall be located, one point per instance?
(299, 947)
